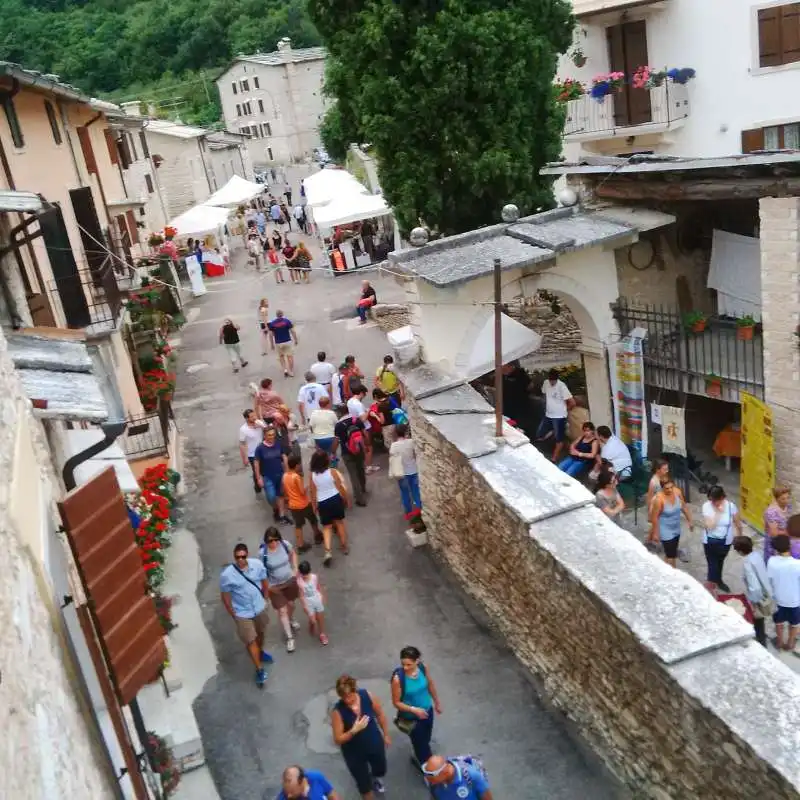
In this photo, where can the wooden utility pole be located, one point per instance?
(498, 350)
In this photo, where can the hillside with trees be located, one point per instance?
(167, 51)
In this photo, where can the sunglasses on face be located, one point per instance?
(241, 556)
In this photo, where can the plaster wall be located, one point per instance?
(730, 93)
(181, 174)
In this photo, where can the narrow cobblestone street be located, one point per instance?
(383, 596)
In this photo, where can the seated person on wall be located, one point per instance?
(366, 301)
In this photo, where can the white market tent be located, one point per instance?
(200, 219)
(324, 186)
(235, 192)
(349, 208)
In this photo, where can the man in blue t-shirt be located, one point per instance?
(300, 784)
(281, 335)
(455, 779)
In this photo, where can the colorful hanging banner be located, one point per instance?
(626, 365)
(673, 430)
(757, 472)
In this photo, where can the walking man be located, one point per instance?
(323, 372)
(558, 402)
(229, 336)
(281, 335)
(352, 442)
(302, 784)
(309, 396)
(250, 436)
(459, 778)
(243, 586)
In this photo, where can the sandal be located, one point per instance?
(323, 638)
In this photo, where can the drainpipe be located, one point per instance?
(111, 432)
(241, 158)
(203, 162)
(66, 126)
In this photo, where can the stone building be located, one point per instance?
(277, 99)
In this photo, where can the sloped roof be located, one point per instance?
(292, 56)
(176, 129)
(42, 80)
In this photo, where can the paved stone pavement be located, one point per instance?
(381, 597)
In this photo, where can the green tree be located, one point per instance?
(454, 95)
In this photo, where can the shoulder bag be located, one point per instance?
(249, 580)
(763, 608)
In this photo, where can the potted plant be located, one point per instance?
(681, 75)
(578, 57)
(605, 84)
(713, 385)
(568, 89)
(744, 328)
(695, 321)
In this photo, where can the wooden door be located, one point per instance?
(627, 51)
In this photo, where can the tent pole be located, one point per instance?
(498, 350)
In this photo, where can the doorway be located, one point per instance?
(627, 51)
(90, 230)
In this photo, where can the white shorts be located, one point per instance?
(315, 605)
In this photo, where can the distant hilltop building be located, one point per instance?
(277, 99)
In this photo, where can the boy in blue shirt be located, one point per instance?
(456, 779)
(300, 784)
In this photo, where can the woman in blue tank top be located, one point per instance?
(665, 515)
(360, 729)
(415, 697)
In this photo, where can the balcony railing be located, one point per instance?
(588, 118)
(715, 362)
(91, 298)
(148, 436)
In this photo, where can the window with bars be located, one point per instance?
(773, 137)
(779, 35)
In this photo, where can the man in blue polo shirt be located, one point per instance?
(300, 784)
(456, 779)
(281, 335)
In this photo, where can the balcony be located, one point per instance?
(632, 112)
(91, 298)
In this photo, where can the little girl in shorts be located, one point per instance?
(312, 595)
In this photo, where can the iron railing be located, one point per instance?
(90, 297)
(714, 362)
(148, 435)
(586, 116)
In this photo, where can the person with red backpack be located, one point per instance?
(457, 778)
(352, 435)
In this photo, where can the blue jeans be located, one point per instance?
(409, 492)
(574, 466)
(421, 737)
(362, 312)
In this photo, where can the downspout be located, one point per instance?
(241, 158)
(111, 432)
(203, 162)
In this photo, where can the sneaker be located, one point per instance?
(295, 625)
(286, 373)
(683, 555)
(327, 558)
(323, 639)
(285, 520)
(373, 468)
(261, 678)
(723, 587)
(290, 645)
(291, 374)
(377, 785)
(266, 658)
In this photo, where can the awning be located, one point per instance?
(125, 205)
(20, 201)
(235, 192)
(518, 341)
(349, 208)
(64, 379)
(324, 186)
(200, 219)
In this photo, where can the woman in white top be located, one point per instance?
(329, 498)
(263, 319)
(403, 466)
(721, 522)
(322, 424)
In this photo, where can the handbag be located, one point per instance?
(405, 725)
(766, 607)
(396, 465)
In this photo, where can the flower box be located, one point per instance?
(606, 84)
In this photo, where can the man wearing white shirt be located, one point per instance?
(309, 396)
(558, 401)
(614, 450)
(357, 410)
(323, 371)
(251, 434)
(784, 577)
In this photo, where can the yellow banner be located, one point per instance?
(758, 460)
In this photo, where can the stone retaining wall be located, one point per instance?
(391, 316)
(666, 685)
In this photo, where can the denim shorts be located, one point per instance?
(272, 489)
(558, 426)
(784, 614)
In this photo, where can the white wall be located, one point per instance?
(719, 39)
(181, 174)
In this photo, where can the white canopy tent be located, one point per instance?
(235, 192)
(324, 186)
(349, 208)
(200, 219)
(518, 341)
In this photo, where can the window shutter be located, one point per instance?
(124, 151)
(133, 228)
(235, 88)
(88, 152)
(616, 61)
(149, 183)
(255, 83)
(790, 33)
(769, 38)
(143, 142)
(111, 143)
(752, 140)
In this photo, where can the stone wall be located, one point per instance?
(560, 332)
(666, 685)
(391, 316)
(780, 303)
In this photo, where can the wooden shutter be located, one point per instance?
(102, 541)
(790, 33)
(111, 143)
(769, 38)
(143, 142)
(133, 228)
(124, 151)
(752, 140)
(634, 36)
(616, 60)
(88, 152)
